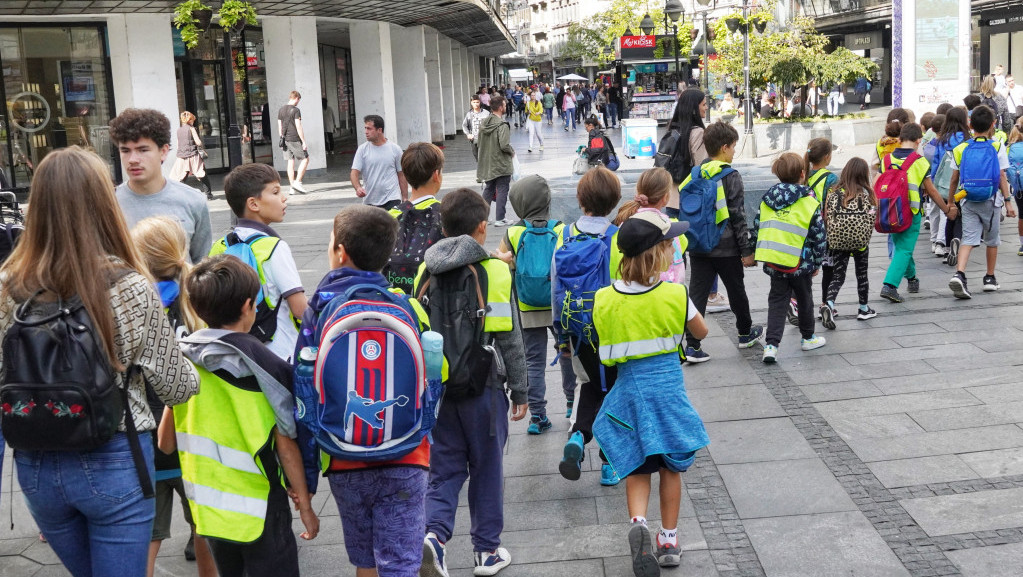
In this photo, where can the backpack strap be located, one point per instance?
(821, 174)
(481, 312)
(133, 435)
(721, 175)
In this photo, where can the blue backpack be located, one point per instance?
(1015, 170)
(533, 264)
(940, 148)
(979, 174)
(697, 204)
(266, 315)
(369, 399)
(582, 267)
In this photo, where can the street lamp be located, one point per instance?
(673, 9)
(706, 52)
(647, 24)
(628, 31)
(734, 24)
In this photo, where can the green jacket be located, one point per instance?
(495, 153)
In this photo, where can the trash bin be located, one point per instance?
(639, 137)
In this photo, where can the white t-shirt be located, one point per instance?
(379, 167)
(631, 288)
(282, 281)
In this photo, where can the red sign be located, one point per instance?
(252, 61)
(638, 41)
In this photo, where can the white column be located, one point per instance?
(146, 80)
(373, 75)
(458, 77)
(412, 101)
(433, 85)
(447, 86)
(293, 63)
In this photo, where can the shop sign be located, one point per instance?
(637, 47)
(638, 41)
(1009, 20)
(863, 41)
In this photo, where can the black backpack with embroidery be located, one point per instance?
(418, 230)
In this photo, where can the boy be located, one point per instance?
(980, 217)
(235, 437)
(419, 225)
(254, 194)
(599, 150)
(790, 259)
(143, 140)
(380, 503)
(471, 428)
(733, 251)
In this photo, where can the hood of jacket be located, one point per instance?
(450, 253)
(783, 195)
(338, 280)
(530, 197)
(491, 123)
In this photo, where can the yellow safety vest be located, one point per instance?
(419, 205)
(914, 180)
(635, 326)
(708, 170)
(783, 232)
(1001, 137)
(263, 248)
(220, 433)
(514, 235)
(818, 182)
(499, 280)
(616, 253)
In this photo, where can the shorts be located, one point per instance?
(654, 463)
(295, 150)
(980, 223)
(389, 204)
(165, 507)
(383, 517)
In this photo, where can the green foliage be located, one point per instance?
(186, 23)
(590, 38)
(234, 11)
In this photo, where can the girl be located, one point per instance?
(955, 131)
(535, 120)
(568, 109)
(641, 323)
(191, 155)
(1016, 148)
(897, 118)
(88, 504)
(820, 180)
(652, 191)
(852, 196)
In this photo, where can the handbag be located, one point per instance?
(203, 154)
(841, 97)
(580, 165)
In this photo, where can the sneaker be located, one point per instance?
(755, 333)
(529, 150)
(940, 251)
(812, 343)
(1020, 251)
(793, 313)
(862, 315)
(538, 425)
(566, 129)
(891, 293)
(827, 317)
(953, 253)
(297, 186)
(644, 562)
(718, 304)
(570, 465)
(696, 355)
(541, 148)
(990, 283)
(770, 354)
(190, 548)
(668, 555)
(568, 408)
(490, 563)
(434, 563)
(958, 286)
(502, 222)
(913, 285)
(927, 225)
(608, 476)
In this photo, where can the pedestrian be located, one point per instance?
(559, 100)
(835, 97)
(484, 98)
(495, 162)
(568, 108)
(1014, 174)
(653, 188)
(289, 126)
(687, 119)
(820, 180)
(519, 101)
(954, 131)
(614, 104)
(376, 170)
(419, 224)
(897, 118)
(190, 156)
(548, 106)
(862, 90)
(535, 120)
(600, 103)
(471, 123)
(329, 126)
(995, 101)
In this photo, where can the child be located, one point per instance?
(980, 217)
(849, 211)
(599, 150)
(954, 131)
(598, 193)
(638, 309)
(530, 196)
(1015, 174)
(790, 259)
(820, 180)
(418, 217)
(381, 503)
(234, 438)
(471, 428)
(254, 194)
(897, 118)
(653, 190)
(733, 251)
(164, 249)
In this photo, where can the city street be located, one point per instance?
(895, 450)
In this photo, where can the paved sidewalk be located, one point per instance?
(896, 450)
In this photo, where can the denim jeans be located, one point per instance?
(89, 506)
(612, 111)
(833, 103)
(570, 117)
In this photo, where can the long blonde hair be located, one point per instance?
(73, 228)
(653, 186)
(646, 268)
(164, 248)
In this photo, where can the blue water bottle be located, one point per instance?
(433, 350)
(304, 386)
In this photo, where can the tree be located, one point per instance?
(590, 38)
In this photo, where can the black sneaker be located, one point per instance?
(953, 253)
(990, 283)
(914, 285)
(827, 317)
(891, 293)
(958, 286)
(862, 315)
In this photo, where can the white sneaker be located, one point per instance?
(491, 563)
(718, 304)
(812, 343)
(434, 563)
(504, 222)
(297, 186)
(770, 354)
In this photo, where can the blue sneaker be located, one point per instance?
(489, 563)
(570, 466)
(696, 355)
(568, 408)
(538, 425)
(608, 476)
(755, 333)
(434, 564)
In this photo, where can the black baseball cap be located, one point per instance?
(645, 229)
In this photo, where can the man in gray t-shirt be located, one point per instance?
(376, 171)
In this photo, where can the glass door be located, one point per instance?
(208, 93)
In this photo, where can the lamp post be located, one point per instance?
(673, 9)
(733, 25)
(706, 50)
(234, 133)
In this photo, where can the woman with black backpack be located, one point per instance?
(86, 333)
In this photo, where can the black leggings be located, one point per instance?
(827, 274)
(840, 261)
(954, 228)
(591, 393)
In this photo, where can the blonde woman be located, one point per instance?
(534, 121)
(994, 101)
(191, 155)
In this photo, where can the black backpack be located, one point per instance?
(418, 230)
(668, 155)
(457, 308)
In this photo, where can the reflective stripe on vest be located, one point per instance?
(641, 348)
(499, 281)
(708, 170)
(782, 233)
(636, 326)
(211, 498)
(920, 170)
(262, 248)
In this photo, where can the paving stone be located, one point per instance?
(998, 463)
(845, 372)
(938, 443)
(18, 567)
(735, 403)
(694, 564)
(950, 379)
(756, 440)
(1010, 392)
(713, 375)
(923, 470)
(974, 416)
(555, 515)
(952, 514)
(875, 426)
(517, 569)
(776, 488)
(841, 391)
(898, 403)
(994, 561)
(894, 356)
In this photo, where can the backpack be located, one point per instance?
(418, 230)
(993, 105)
(1015, 170)
(892, 190)
(583, 266)
(697, 204)
(848, 227)
(533, 264)
(938, 155)
(668, 157)
(368, 399)
(457, 308)
(266, 315)
(979, 174)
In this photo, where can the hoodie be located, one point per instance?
(495, 150)
(530, 197)
(781, 196)
(451, 253)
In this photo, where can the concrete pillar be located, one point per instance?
(146, 80)
(293, 63)
(412, 100)
(447, 86)
(433, 85)
(373, 75)
(458, 76)
(467, 81)
(474, 72)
